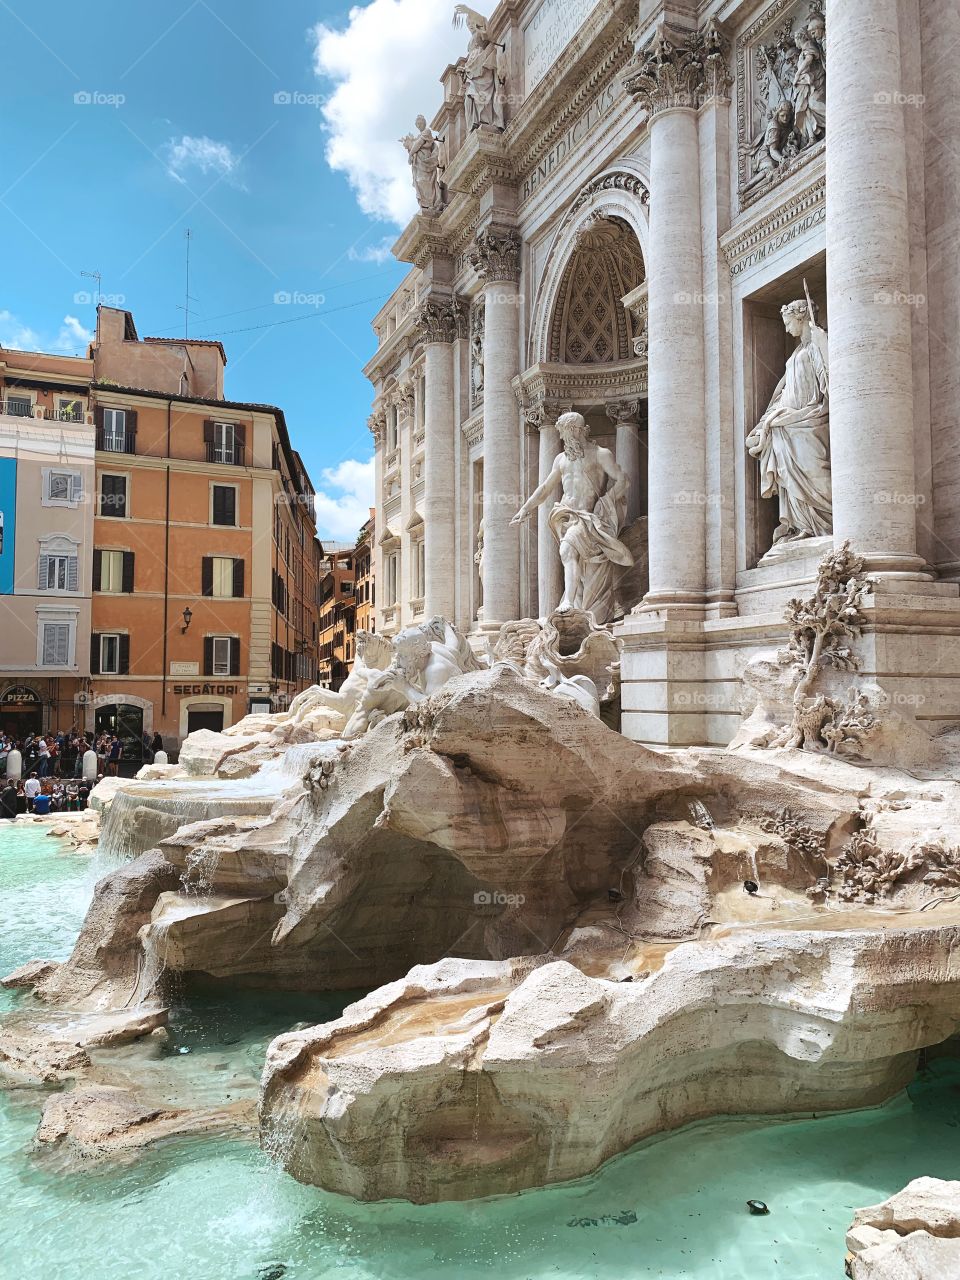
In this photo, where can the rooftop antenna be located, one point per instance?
(187, 297)
(95, 275)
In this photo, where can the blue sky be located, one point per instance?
(185, 130)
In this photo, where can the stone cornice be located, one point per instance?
(472, 429)
(483, 160)
(753, 238)
(582, 384)
(423, 238)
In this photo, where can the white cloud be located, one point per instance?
(385, 67)
(17, 336)
(380, 252)
(202, 154)
(73, 337)
(344, 499)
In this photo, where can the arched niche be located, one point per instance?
(619, 197)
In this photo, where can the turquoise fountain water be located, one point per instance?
(220, 1210)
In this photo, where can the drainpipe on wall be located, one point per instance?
(166, 574)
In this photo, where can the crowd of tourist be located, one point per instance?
(51, 769)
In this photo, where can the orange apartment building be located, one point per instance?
(201, 581)
(365, 590)
(337, 604)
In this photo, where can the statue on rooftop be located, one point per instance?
(425, 156)
(485, 73)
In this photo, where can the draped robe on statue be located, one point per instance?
(792, 443)
(593, 535)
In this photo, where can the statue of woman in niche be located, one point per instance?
(425, 155)
(792, 439)
(485, 73)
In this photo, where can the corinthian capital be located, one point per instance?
(680, 69)
(440, 320)
(497, 255)
(623, 411)
(377, 423)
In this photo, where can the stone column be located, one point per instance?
(667, 79)
(626, 414)
(377, 422)
(437, 324)
(496, 260)
(549, 568)
(868, 288)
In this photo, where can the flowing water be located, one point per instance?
(219, 1209)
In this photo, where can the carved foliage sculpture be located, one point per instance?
(866, 872)
(823, 628)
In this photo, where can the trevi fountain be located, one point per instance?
(481, 964)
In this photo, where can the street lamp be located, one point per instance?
(187, 619)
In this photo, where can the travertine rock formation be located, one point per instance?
(914, 1235)
(464, 1082)
(612, 975)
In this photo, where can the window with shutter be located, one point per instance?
(222, 576)
(222, 646)
(111, 571)
(55, 644)
(109, 655)
(62, 488)
(113, 437)
(224, 504)
(113, 496)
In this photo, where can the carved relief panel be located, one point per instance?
(781, 93)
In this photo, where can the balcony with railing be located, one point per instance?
(16, 407)
(116, 441)
(230, 455)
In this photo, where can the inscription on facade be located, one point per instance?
(548, 33)
(570, 140)
(776, 242)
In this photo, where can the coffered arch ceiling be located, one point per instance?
(590, 324)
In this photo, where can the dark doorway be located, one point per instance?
(126, 721)
(205, 720)
(21, 711)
